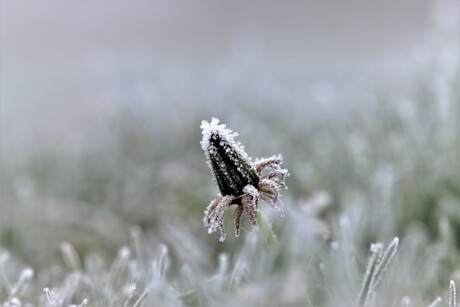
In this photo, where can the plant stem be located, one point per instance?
(265, 229)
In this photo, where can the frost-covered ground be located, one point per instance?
(104, 183)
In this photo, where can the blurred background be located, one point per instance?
(101, 103)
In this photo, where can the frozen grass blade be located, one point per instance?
(20, 286)
(158, 285)
(70, 256)
(49, 297)
(405, 301)
(452, 294)
(160, 265)
(14, 302)
(118, 272)
(376, 250)
(4, 256)
(137, 245)
(377, 265)
(83, 304)
(435, 302)
(129, 293)
(223, 265)
(383, 263)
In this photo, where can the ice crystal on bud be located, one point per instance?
(240, 181)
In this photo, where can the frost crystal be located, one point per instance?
(240, 181)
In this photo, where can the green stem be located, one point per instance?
(265, 229)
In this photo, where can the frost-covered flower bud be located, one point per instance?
(230, 166)
(240, 181)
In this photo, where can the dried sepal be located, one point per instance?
(215, 213)
(273, 162)
(238, 214)
(249, 209)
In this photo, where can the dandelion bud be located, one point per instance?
(230, 165)
(240, 181)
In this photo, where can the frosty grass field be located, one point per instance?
(371, 213)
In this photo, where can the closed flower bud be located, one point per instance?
(239, 180)
(230, 165)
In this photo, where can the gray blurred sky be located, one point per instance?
(63, 63)
(321, 34)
